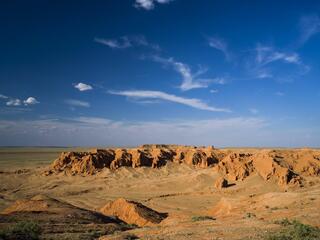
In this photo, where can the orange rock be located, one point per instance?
(236, 166)
(287, 167)
(122, 158)
(133, 212)
(221, 183)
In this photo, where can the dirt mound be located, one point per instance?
(133, 212)
(54, 216)
(44, 204)
(287, 167)
(27, 206)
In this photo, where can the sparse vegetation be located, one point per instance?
(130, 237)
(274, 208)
(129, 226)
(295, 230)
(94, 234)
(249, 215)
(201, 218)
(283, 222)
(21, 231)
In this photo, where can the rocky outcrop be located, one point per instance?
(83, 162)
(133, 212)
(285, 167)
(221, 183)
(236, 166)
(155, 156)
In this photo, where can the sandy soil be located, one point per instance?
(245, 210)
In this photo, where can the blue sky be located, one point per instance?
(97, 73)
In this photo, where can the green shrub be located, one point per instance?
(130, 237)
(283, 222)
(201, 218)
(22, 231)
(249, 215)
(295, 230)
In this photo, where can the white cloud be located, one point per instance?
(192, 102)
(218, 80)
(220, 132)
(149, 4)
(190, 80)
(87, 131)
(127, 42)
(17, 102)
(93, 120)
(113, 43)
(13, 102)
(3, 96)
(83, 87)
(77, 103)
(30, 101)
(214, 91)
(221, 45)
(269, 62)
(309, 26)
(267, 54)
(263, 73)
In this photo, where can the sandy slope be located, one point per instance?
(247, 208)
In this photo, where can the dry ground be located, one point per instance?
(248, 209)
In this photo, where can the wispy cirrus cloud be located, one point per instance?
(3, 96)
(221, 45)
(267, 54)
(149, 4)
(190, 80)
(83, 87)
(191, 102)
(309, 26)
(77, 103)
(128, 42)
(120, 43)
(267, 61)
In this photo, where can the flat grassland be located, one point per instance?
(30, 157)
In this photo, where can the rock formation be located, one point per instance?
(133, 212)
(221, 183)
(286, 166)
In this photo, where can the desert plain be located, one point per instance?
(160, 191)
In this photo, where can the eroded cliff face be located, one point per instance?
(286, 167)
